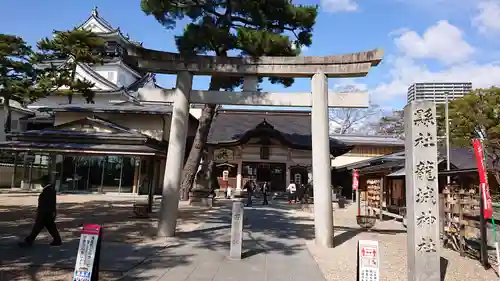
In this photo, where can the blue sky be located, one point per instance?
(423, 40)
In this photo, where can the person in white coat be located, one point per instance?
(292, 191)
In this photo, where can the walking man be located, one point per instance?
(265, 190)
(45, 215)
(249, 188)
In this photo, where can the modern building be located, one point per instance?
(437, 92)
(116, 144)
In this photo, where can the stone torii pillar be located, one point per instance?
(317, 68)
(323, 212)
(175, 156)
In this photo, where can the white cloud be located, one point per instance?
(334, 6)
(399, 32)
(487, 18)
(348, 83)
(302, 48)
(406, 71)
(443, 42)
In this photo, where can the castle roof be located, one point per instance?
(103, 28)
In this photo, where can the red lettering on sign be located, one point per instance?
(91, 229)
(368, 252)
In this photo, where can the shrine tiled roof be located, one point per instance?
(369, 139)
(461, 158)
(292, 128)
(126, 108)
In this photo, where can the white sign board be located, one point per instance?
(498, 256)
(86, 253)
(368, 260)
(225, 175)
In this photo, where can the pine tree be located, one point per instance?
(74, 47)
(17, 74)
(232, 27)
(475, 115)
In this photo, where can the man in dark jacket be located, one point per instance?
(265, 190)
(45, 215)
(249, 188)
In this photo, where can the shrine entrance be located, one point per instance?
(317, 68)
(260, 172)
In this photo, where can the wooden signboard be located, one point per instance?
(223, 154)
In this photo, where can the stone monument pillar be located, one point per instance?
(175, 156)
(422, 191)
(323, 210)
(235, 249)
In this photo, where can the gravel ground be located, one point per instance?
(113, 211)
(339, 263)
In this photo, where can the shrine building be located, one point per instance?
(117, 143)
(264, 146)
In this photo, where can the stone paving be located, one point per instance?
(273, 249)
(278, 245)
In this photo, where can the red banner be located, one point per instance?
(483, 178)
(355, 180)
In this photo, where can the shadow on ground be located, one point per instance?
(351, 232)
(129, 243)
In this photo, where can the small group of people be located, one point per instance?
(296, 193)
(251, 188)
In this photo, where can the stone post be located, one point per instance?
(422, 191)
(323, 211)
(236, 231)
(175, 156)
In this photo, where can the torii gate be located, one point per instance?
(320, 68)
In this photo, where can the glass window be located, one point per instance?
(249, 169)
(264, 153)
(297, 178)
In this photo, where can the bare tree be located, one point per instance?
(391, 125)
(352, 120)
